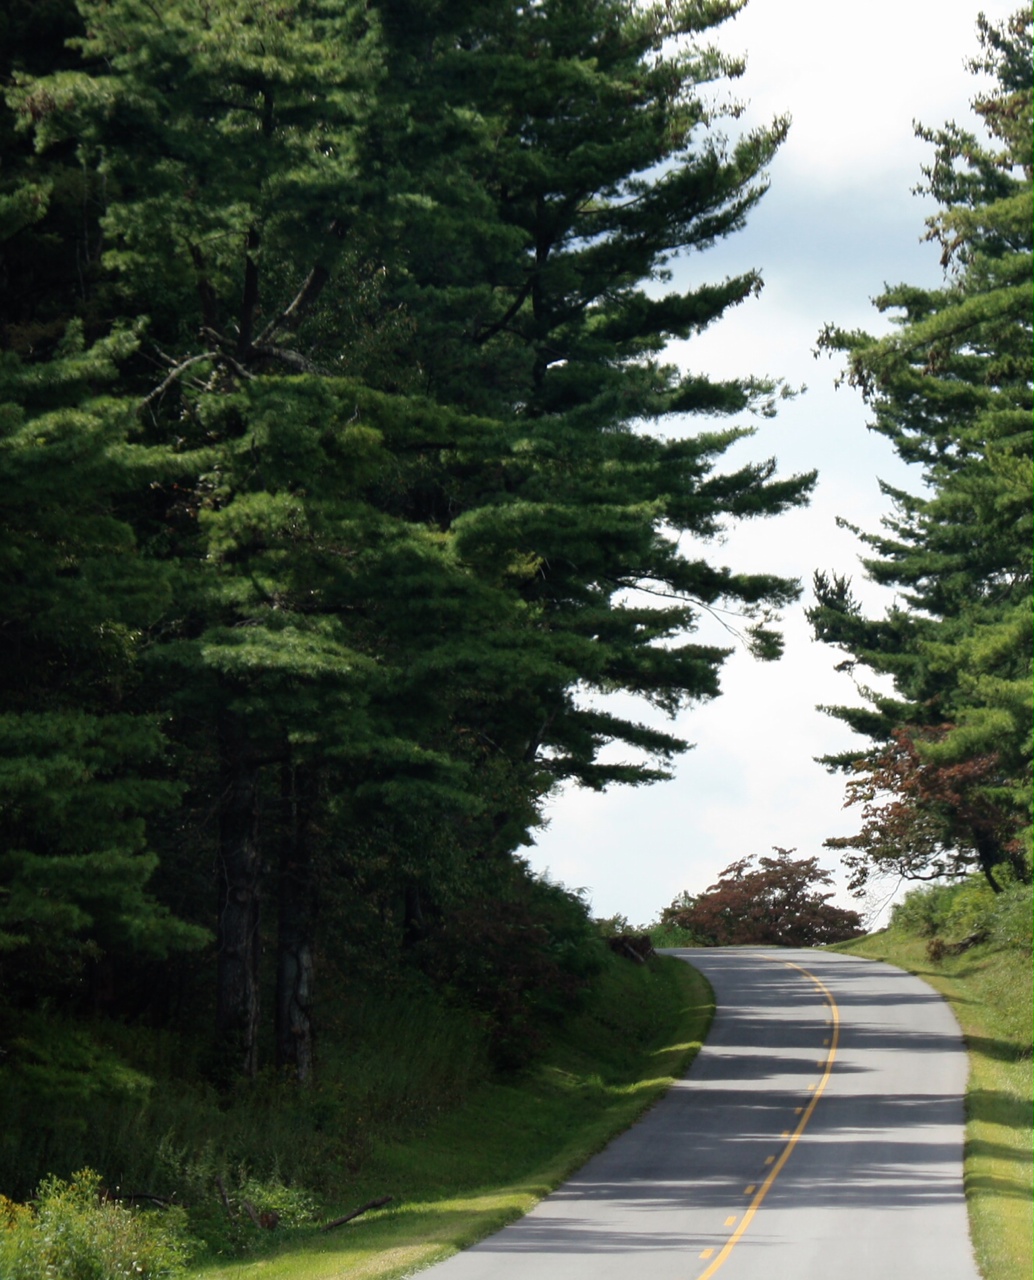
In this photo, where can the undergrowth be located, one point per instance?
(75, 1231)
(407, 1103)
(458, 1177)
(265, 1148)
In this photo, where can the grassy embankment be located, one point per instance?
(989, 989)
(486, 1162)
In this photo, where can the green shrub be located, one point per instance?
(612, 926)
(971, 908)
(922, 912)
(522, 957)
(1011, 918)
(673, 935)
(231, 1206)
(75, 1233)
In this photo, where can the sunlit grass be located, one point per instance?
(487, 1162)
(990, 992)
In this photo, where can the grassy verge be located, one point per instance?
(488, 1161)
(989, 989)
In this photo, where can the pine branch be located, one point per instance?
(481, 338)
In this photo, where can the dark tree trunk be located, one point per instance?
(990, 853)
(297, 922)
(237, 997)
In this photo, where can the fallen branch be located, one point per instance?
(363, 1208)
(937, 948)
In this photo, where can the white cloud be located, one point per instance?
(855, 77)
(838, 222)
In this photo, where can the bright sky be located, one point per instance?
(839, 221)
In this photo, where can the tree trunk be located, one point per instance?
(237, 998)
(296, 927)
(990, 853)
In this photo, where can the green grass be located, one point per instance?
(487, 1161)
(989, 989)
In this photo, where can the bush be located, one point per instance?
(612, 926)
(971, 909)
(672, 935)
(922, 912)
(766, 901)
(1011, 919)
(232, 1207)
(75, 1233)
(522, 958)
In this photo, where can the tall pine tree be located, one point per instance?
(950, 388)
(425, 470)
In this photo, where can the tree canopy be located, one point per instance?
(358, 465)
(950, 388)
(769, 901)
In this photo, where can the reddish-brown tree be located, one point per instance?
(771, 901)
(923, 818)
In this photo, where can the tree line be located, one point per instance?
(946, 785)
(342, 464)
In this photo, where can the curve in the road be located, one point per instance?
(819, 1132)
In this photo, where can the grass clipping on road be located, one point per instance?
(490, 1160)
(989, 989)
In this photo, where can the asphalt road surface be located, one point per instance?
(818, 1134)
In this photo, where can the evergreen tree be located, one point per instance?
(576, 160)
(80, 768)
(49, 205)
(950, 388)
(402, 363)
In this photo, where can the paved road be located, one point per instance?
(818, 1134)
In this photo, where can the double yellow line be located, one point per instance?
(763, 1190)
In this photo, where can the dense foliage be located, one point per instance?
(75, 1230)
(947, 785)
(769, 901)
(961, 915)
(924, 819)
(342, 467)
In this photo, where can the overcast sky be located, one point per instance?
(839, 222)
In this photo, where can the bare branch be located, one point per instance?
(292, 315)
(370, 1204)
(178, 372)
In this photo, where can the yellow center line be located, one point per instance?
(755, 1204)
